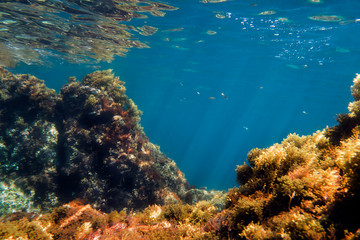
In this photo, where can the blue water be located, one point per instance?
(278, 76)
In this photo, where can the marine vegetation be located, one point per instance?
(77, 220)
(306, 187)
(74, 30)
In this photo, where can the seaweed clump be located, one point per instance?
(307, 187)
(77, 220)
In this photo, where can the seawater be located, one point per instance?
(222, 78)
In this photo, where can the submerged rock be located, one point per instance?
(28, 136)
(85, 142)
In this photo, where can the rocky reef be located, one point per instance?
(85, 142)
(306, 187)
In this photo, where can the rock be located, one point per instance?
(85, 142)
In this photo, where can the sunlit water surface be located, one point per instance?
(223, 78)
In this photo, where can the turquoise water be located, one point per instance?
(222, 78)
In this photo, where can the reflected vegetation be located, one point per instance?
(213, 1)
(327, 18)
(269, 12)
(74, 30)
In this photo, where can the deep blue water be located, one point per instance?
(279, 76)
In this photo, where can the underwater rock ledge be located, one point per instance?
(83, 143)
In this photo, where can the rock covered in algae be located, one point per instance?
(85, 142)
(28, 135)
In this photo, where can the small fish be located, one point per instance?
(211, 32)
(269, 12)
(223, 94)
(179, 39)
(327, 18)
(293, 66)
(174, 30)
(212, 98)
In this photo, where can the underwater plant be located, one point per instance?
(77, 220)
(304, 188)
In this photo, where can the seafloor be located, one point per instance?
(77, 165)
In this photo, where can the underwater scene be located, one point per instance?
(195, 119)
